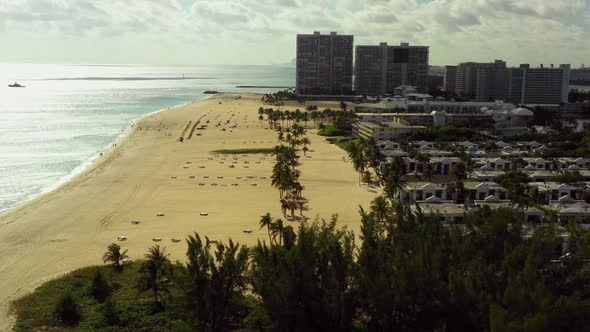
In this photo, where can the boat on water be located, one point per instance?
(15, 85)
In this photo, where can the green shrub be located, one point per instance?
(100, 288)
(111, 312)
(67, 310)
(329, 130)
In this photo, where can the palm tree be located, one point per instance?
(517, 163)
(459, 171)
(452, 189)
(284, 207)
(305, 118)
(155, 271)
(283, 177)
(373, 156)
(305, 141)
(277, 230)
(266, 221)
(115, 256)
(292, 206)
(297, 189)
(427, 173)
(381, 207)
(423, 159)
(314, 117)
(367, 178)
(281, 134)
(461, 192)
(357, 157)
(301, 204)
(393, 179)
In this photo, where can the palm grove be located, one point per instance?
(408, 271)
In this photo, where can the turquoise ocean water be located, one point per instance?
(67, 114)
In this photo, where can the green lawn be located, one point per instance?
(344, 142)
(245, 151)
(331, 131)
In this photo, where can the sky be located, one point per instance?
(259, 32)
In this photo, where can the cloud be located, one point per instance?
(263, 31)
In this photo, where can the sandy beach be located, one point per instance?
(150, 172)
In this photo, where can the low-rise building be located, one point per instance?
(568, 209)
(553, 192)
(453, 107)
(493, 164)
(382, 131)
(568, 163)
(472, 191)
(404, 90)
(518, 117)
(427, 119)
(450, 213)
(485, 175)
(540, 175)
(539, 164)
(388, 105)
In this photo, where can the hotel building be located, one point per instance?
(379, 69)
(324, 64)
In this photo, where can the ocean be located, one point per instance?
(57, 125)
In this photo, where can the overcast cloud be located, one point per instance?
(263, 31)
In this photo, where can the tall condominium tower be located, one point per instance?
(381, 68)
(450, 78)
(324, 63)
(543, 85)
(483, 81)
(493, 82)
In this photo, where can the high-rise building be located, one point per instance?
(370, 70)
(381, 68)
(580, 76)
(483, 81)
(466, 79)
(450, 78)
(324, 63)
(543, 85)
(493, 82)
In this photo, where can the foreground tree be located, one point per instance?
(155, 273)
(214, 285)
(100, 288)
(357, 156)
(393, 179)
(115, 256)
(67, 309)
(305, 284)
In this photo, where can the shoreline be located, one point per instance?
(150, 172)
(89, 162)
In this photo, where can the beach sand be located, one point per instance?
(150, 172)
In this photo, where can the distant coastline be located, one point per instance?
(263, 87)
